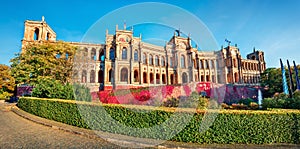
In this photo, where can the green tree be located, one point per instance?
(52, 60)
(7, 82)
(271, 79)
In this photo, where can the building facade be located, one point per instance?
(125, 61)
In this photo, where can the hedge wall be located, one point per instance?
(230, 126)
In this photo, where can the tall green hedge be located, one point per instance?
(230, 126)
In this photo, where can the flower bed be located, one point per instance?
(142, 96)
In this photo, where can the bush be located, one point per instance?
(283, 101)
(5, 95)
(246, 101)
(253, 105)
(231, 126)
(82, 93)
(50, 88)
(171, 102)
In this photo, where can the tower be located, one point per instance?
(232, 61)
(37, 31)
(258, 56)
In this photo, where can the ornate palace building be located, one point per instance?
(125, 61)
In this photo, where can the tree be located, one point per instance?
(53, 60)
(7, 82)
(272, 79)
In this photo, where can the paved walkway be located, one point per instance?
(20, 129)
(17, 132)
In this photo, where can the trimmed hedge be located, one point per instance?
(230, 126)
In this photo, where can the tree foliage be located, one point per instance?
(50, 88)
(7, 82)
(272, 79)
(52, 60)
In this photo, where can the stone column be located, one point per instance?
(97, 54)
(131, 71)
(116, 68)
(96, 76)
(107, 52)
(88, 76)
(89, 54)
(216, 71)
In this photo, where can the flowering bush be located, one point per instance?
(168, 96)
(142, 96)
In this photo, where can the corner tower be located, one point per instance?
(258, 56)
(37, 31)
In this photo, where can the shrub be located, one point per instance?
(203, 103)
(246, 101)
(239, 106)
(225, 106)
(82, 93)
(253, 105)
(171, 102)
(283, 101)
(4, 95)
(50, 88)
(231, 126)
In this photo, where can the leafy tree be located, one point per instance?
(52, 60)
(7, 82)
(272, 79)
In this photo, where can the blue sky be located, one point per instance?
(270, 25)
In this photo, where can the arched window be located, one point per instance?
(102, 57)
(93, 54)
(236, 77)
(157, 78)
(36, 34)
(136, 56)
(207, 64)
(156, 61)
(92, 76)
(184, 78)
(136, 76)
(124, 75)
(144, 58)
(207, 78)
(172, 78)
(162, 61)
(151, 78)
(85, 52)
(124, 53)
(144, 77)
(200, 64)
(48, 36)
(150, 59)
(83, 76)
(182, 60)
(110, 74)
(163, 77)
(100, 76)
(112, 54)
